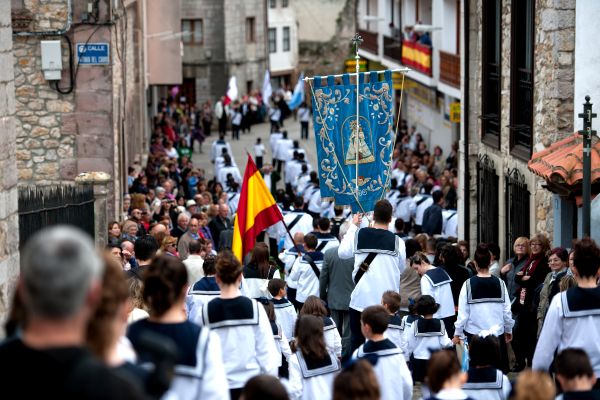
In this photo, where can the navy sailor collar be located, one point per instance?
(484, 378)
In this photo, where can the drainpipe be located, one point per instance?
(59, 32)
(465, 118)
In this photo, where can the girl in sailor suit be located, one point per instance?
(427, 334)
(485, 382)
(389, 364)
(333, 341)
(436, 283)
(484, 303)
(281, 341)
(242, 324)
(199, 372)
(312, 367)
(444, 377)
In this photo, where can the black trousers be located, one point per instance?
(525, 336)
(259, 162)
(303, 129)
(235, 132)
(356, 336)
(449, 323)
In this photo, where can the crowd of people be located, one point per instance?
(327, 305)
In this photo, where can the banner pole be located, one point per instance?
(357, 40)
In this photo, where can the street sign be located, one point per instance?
(455, 112)
(93, 53)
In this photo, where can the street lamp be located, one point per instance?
(587, 133)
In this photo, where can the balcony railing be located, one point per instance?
(392, 48)
(417, 56)
(450, 69)
(369, 41)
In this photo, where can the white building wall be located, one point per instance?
(587, 58)
(280, 18)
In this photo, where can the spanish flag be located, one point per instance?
(256, 211)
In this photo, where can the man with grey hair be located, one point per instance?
(219, 224)
(182, 225)
(59, 287)
(336, 286)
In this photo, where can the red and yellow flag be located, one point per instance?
(256, 211)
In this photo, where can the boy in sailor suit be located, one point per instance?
(389, 363)
(288, 258)
(379, 259)
(325, 239)
(484, 381)
(573, 318)
(307, 270)
(202, 291)
(284, 310)
(426, 334)
(436, 283)
(484, 303)
(390, 300)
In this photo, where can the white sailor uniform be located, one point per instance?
(406, 329)
(283, 348)
(247, 342)
(199, 372)
(306, 277)
(482, 304)
(394, 331)
(395, 381)
(297, 221)
(326, 241)
(426, 335)
(286, 316)
(436, 283)
(333, 340)
(572, 320)
(199, 294)
(312, 379)
(422, 203)
(487, 384)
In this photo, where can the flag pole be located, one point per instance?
(357, 40)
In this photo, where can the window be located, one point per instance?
(272, 40)
(284, 3)
(273, 3)
(521, 78)
(191, 31)
(250, 30)
(490, 77)
(286, 38)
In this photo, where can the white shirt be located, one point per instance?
(283, 146)
(580, 330)
(449, 223)
(419, 346)
(316, 387)
(194, 265)
(393, 375)
(304, 225)
(259, 150)
(286, 317)
(476, 317)
(217, 147)
(273, 139)
(236, 119)
(420, 208)
(247, 350)
(333, 340)
(288, 257)
(442, 295)
(406, 208)
(308, 282)
(234, 171)
(479, 391)
(304, 114)
(383, 274)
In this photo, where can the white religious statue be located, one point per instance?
(364, 153)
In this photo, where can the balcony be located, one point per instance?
(417, 56)
(392, 48)
(450, 69)
(369, 41)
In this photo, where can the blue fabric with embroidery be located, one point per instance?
(334, 115)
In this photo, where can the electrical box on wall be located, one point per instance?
(51, 59)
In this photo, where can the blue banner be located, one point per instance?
(341, 141)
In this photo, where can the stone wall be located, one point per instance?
(552, 108)
(326, 55)
(9, 219)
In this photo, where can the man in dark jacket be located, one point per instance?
(335, 287)
(219, 224)
(432, 217)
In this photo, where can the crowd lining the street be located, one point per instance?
(355, 307)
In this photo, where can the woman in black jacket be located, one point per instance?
(530, 280)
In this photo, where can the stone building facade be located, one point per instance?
(99, 123)
(324, 32)
(226, 38)
(9, 219)
(551, 76)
